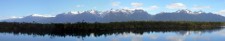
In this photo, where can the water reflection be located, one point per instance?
(125, 35)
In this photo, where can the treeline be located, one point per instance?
(154, 25)
(84, 28)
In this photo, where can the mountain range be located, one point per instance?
(120, 15)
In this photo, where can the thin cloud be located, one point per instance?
(201, 38)
(222, 33)
(136, 4)
(137, 38)
(154, 7)
(201, 7)
(176, 6)
(115, 39)
(153, 37)
(78, 6)
(221, 12)
(128, 8)
(115, 3)
(175, 38)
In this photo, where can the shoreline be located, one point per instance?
(131, 25)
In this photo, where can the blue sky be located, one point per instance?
(19, 8)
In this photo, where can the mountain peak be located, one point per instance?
(184, 11)
(72, 12)
(91, 11)
(198, 12)
(117, 15)
(119, 11)
(38, 15)
(139, 10)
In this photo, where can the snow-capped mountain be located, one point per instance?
(120, 15)
(125, 15)
(88, 16)
(187, 15)
(30, 18)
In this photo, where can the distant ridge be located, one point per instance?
(120, 15)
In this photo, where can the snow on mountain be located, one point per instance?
(120, 15)
(187, 15)
(125, 15)
(88, 16)
(30, 18)
(116, 15)
(185, 11)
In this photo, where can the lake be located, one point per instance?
(215, 34)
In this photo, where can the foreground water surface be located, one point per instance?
(217, 34)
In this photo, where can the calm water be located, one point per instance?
(195, 35)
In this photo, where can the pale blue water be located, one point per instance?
(215, 35)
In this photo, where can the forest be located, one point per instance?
(84, 28)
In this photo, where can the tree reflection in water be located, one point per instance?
(82, 34)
